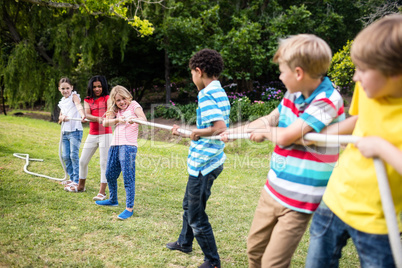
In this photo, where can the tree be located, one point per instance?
(247, 32)
(379, 9)
(110, 8)
(44, 40)
(180, 31)
(243, 52)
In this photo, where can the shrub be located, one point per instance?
(342, 69)
(245, 106)
(240, 109)
(185, 112)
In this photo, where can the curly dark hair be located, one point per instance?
(96, 78)
(209, 61)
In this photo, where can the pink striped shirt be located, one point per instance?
(126, 133)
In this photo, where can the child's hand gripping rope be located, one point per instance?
(83, 120)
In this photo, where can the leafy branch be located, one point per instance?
(109, 8)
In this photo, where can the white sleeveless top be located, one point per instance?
(67, 107)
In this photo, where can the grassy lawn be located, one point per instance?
(41, 225)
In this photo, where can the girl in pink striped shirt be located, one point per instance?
(123, 150)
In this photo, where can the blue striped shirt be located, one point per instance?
(205, 155)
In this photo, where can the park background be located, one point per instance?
(145, 46)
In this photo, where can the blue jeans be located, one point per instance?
(70, 153)
(329, 234)
(195, 220)
(121, 158)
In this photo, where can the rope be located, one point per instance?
(27, 159)
(183, 131)
(389, 212)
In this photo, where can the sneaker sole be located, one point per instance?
(182, 250)
(98, 199)
(107, 205)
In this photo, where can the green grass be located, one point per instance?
(41, 225)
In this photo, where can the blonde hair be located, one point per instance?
(379, 46)
(306, 51)
(122, 91)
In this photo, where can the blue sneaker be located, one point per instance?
(106, 203)
(125, 215)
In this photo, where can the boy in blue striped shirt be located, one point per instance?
(205, 157)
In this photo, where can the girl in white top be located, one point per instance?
(123, 150)
(70, 107)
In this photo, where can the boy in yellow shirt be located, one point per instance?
(351, 206)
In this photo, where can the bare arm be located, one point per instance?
(282, 136)
(344, 127)
(217, 128)
(265, 122)
(89, 115)
(79, 107)
(62, 117)
(111, 120)
(140, 114)
(378, 147)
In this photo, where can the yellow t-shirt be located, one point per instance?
(352, 192)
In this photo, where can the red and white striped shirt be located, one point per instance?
(126, 133)
(299, 174)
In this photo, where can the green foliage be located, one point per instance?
(242, 109)
(26, 77)
(247, 32)
(79, 39)
(342, 69)
(245, 60)
(186, 113)
(41, 45)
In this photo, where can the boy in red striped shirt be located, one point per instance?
(298, 174)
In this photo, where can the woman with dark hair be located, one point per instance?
(95, 105)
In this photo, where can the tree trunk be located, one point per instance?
(167, 77)
(2, 95)
(244, 85)
(55, 114)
